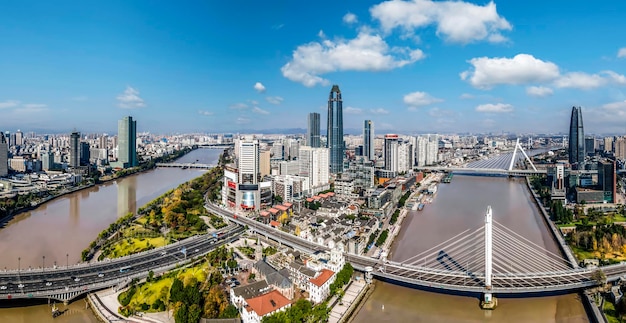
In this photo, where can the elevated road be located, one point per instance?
(453, 280)
(66, 283)
(485, 171)
(186, 165)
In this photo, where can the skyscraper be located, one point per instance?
(576, 138)
(248, 163)
(607, 179)
(391, 152)
(313, 130)
(75, 149)
(368, 139)
(127, 142)
(4, 155)
(335, 130)
(84, 153)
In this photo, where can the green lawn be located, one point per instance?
(609, 311)
(582, 254)
(125, 248)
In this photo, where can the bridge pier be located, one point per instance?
(489, 302)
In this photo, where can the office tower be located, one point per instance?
(314, 164)
(47, 160)
(84, 153)
(278, 150)
(391, 152)
(576, 138)
(75, 149)
(264, 163)
(608, 144)
(607, 179)
(19, 138)
(335, 130)
(127, 142)
(313, 130)
(368, 139)
(590, 143)
(4, 156)
(248, 162)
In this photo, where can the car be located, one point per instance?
(49, 284)
(100, 275)
(76, 279)
(229, 280)
(20, 286)
(3, 287)
(197, 250)
(237, 282)
(163, 253)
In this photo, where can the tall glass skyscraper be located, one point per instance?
(368, 139)
(313, 130)
(576, 138)
(4, 155)
(75, 149)
(335, 130)
(127, 142)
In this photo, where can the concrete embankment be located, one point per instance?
(555, 231)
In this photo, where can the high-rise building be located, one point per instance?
(368, 139)
(607, 179)
(620, 148)
(334, 130)
(75, 149)
(84, 153)
(314, 164)
(608, 144)
(19, 138)
(391, 152)
(103, 142)
(264, 163)
(576, 138)
(4, 156)
(248, 163)
(127, 142)
(313, 130)
(590, 145)
(47, 161)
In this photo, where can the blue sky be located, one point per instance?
(226, 66)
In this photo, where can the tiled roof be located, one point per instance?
(323, 277)
(251, 290)
(267, 303)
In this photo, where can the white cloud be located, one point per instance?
(260, 111)
(321, 34)
(242, 120)
(456, 21)
(205, 113)
(615, 106)
(350, 18)
(580, 80)
(521, 69)
(278, 26)
(238, 106)
(130, 99)
(9, 104)
(467, 96)
(621, 53)
(259, 87)
(366, 52)
(419, 99)
(351, 110)
(379, 111)
(34, 105)
(495, 108)
(274, 99)
(539, 91)
(615, 77)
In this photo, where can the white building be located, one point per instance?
(319, 287)
(267, 304)
(248, 161)
(405, 157)
(314, 165)
(426, 150)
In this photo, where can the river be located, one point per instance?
(459, 206)
(60, 229)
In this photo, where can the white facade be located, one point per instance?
(319, 291)
(426, 150)
(405, 157)
(391, 152)
(248, 162)
(314, 164)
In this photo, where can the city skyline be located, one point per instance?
(454, 66)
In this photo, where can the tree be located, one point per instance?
(150, 276)
(194, 313)
(176, 291)
(181, 315)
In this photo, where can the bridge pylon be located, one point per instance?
(519, 147)
(488, 302)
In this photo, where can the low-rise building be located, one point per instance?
(319, 286)
(267, 304)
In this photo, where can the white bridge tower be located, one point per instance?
(518, 146)
(489, 301)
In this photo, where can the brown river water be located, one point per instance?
(63, 227)
(459, 206)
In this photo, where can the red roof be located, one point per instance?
(317, 197)
(273, 210)
(281, 207)
(274, 223)
(324, 195)
(330, 194)
(287, 204)
(267, 303)
(308, 199)
(323, 277)
(264, 213)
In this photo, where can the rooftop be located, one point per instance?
(251, 290)
(322, 278)
(267, 303)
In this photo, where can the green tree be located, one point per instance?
(176, 291)
(194, 313)
(182, 314)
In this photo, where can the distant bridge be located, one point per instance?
(485, 171)
(186, 165)
(217, 146)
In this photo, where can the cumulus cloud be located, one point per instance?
(238, 106)
(259, 87)
(274, 99)
(455, 21)
(351, 110)
(260, 111)
(580, 80)
(495, 108)
(419, 99)
(621, 53)
(539, 91)
(379, 111)
(205, 113)
(130, 99)
(9, 104)
(521, 69)
(614, 77)
(366, 52)
(350, 18)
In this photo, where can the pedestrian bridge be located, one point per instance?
(518, 266)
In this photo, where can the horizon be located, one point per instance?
(416, 66)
